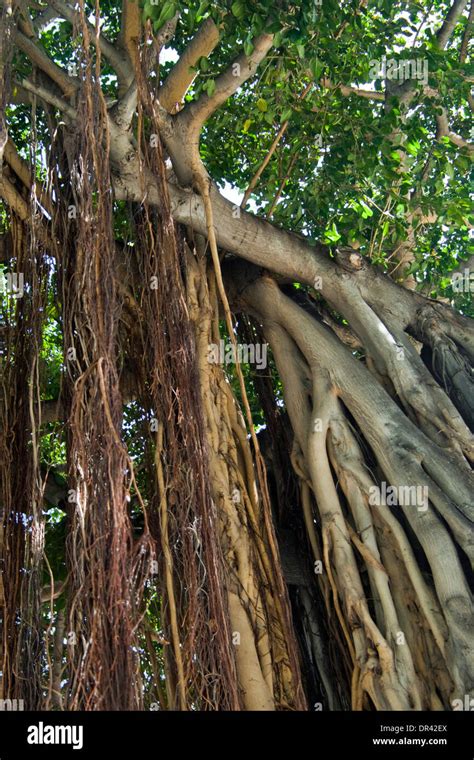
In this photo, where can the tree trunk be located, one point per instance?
(322, 558)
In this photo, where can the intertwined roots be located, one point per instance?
(174, 588)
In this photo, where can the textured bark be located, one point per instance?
(405, 456)
(383, 400)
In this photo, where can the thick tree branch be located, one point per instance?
(444, 34)
(290, 255)
(227, 83)
(66, 83)
(467, 34)
(239, 232)
(49, 14)
(444, 130)
(112, 53)
(23, 172)
(182, 74)
(131, 28)
(123, 111)
(25, 23)
(181, 134)
(286, 254)
(13, 198)
(265, 245)
(20, 207)
(49, 97)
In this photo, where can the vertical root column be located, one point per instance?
(370, 613)
(267, 677)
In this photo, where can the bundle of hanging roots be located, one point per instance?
(203, 562)
(190, 561)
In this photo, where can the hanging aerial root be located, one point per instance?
(107, 568)
(199, 661)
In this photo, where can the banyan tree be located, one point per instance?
(236, 345)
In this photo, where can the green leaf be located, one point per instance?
(203, 7)
(167, 12)
(316, 68)
(248, 47)
(277, 40)
(238, 9)
(149, 11)
(262, 105)
(273, 28)
(412, 147)
(331, 235)
(367, 210)
(300, 49)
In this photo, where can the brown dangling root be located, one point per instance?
(107, 569)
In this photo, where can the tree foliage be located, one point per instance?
(183, 534)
